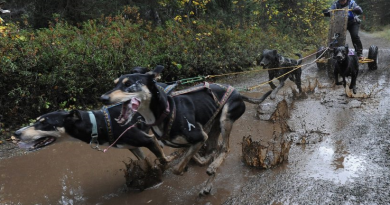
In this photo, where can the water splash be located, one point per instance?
(70, 195)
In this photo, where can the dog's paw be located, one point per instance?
(354, 91)
(170, 158)
(177, 172)
(205, 191)
(180, 171)
(272, 96)
(211, 170)
(164, 164)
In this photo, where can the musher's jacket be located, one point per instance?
(357, 10)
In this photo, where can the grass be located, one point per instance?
(385, 33)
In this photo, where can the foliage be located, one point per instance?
(376, 13)
(385, 33)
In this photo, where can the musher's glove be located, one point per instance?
(356, 11)
(326, 12)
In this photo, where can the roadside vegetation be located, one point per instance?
(384, 33)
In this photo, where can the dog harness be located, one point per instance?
(220, 104)
(351, 52)
(162, 116)
(108, 122)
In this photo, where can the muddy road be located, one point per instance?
(348, 163)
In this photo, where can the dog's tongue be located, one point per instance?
(26, 145)
(135, 104)
(128, 109)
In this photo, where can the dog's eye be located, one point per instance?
(127, 84)
(136, 87)
(132, 88)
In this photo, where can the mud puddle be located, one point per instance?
(73, 173)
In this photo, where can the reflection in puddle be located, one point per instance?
(329, 163)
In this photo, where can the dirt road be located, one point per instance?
(347, 164)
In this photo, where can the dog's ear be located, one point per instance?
(75, 115)
(275, 53)
(157, 71)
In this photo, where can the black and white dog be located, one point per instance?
(186, 118)
(83, 125)
(347, 64)
(271, 59)
(97, 127)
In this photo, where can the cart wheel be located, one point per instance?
(373, 55)
(321, 66)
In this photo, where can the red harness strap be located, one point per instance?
(225, 97)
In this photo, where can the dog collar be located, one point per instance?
(94, 134)
(107, 117)
(162, 116)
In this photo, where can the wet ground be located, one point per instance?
(347, 163)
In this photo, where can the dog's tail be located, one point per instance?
(256, 100)
(299, 61)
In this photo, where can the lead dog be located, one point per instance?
(347, 64)
(78, 124)
(271, 59)
(185, 118)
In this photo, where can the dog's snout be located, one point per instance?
(105, 99)
(262, 63)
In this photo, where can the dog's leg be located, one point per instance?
(226, 127)
(179, 168)
(298, 80)
(353, 84)
(276, 90)
(344, 81)
(202, 160)
(209, 185)
(212, 143)
(225, 131)
(270, 77)
(273, 86)
(210, 147)
(156, 149)
(336, 78)
(138, 153)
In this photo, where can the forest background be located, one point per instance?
(63, 54)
